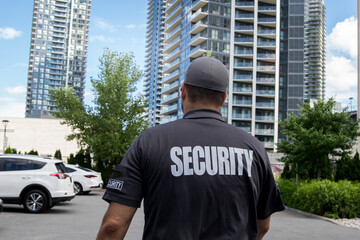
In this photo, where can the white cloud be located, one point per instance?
(9, 33)
(16, 90)
(102, 24)
(101, 38)
(11, 107)
(343, 38)
(341, 62)
(130, 26)
(20, 64)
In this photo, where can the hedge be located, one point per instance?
(325, 198)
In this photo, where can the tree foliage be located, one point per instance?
(81, 158)
(348, 168)
(317, 135)
(110, 126)
(57, 154)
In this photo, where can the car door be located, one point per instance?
(15, 174)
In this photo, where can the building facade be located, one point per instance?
(58, 52)
(248, 36)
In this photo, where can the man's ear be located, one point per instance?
(183, 91)
(223, 101)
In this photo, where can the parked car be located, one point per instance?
(1, 205)
(38, 183)
(85, 179)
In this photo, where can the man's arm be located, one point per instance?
(116, 221)
(263, 227)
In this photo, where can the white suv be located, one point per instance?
(36, 182)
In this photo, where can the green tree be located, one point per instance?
(57, 154)
(10, 150)
(316, 136)
(32, 152)
(116, 119)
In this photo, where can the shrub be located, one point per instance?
(325, 198)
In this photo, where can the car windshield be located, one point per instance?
(61, 168)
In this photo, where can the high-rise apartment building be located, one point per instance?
(302, 53)
(57, 52)
(245, 35)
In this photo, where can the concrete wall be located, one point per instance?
(42, 135)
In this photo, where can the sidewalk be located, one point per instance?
(294, 225)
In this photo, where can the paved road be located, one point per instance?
(81, 218)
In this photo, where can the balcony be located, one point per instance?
(244, 52)
(244, 40)
(266, 55)
(247, 77)
(197, 39)
(267, 8)
(172, 15)
(270, 32)
(172, 66)
(266, 20)
(265, 104)
(241, 116)
(170, 88)
(168, 119)
(268, 144)
(244, 3)
(265, 80)
(171, 98)
(198, 27)
(197, 51)
(265, 92)
(242, 90)
(266, 44)
(242, 102)
(169, 109)
(198, 4)
(244, 15)
(264, 131)
(168, 58)
(198, 15)
(174, 23)
(171, 77)
(247, 28)
(171, 6)
(174, 34)
(265, 118)
(266, 68)
(172, 45)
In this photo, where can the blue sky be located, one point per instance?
(120, 25)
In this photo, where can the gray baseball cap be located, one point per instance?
(209, 73)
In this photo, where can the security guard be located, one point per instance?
(200, 177)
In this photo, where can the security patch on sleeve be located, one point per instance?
(115, 184)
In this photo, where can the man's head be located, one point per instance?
(205, 84)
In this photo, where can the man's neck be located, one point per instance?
(200, 106)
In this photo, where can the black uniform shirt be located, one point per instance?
(200, 179)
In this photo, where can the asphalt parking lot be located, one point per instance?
(81, 219)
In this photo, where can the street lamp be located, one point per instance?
(5, 123)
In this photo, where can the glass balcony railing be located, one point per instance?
(244, 27)
(265, 92)
(167, 87)
(242, 102)
(264, 79)
(265, 118)
(172, 22)
(168, 119)
(173, 11)
(173, 31)
(172, 96)
(266, 55)
(244, 15)
(264, 131)
(169, 108)
(243, 52)
(243, 64)
(267, 8)
(172, 53)
(246, 129)
(171, 43)
(241, 116)
(268, 144)
(244, 4)
(171, 64)
(243, 40)
(242, 76)
(242, 89)
(171, 75)
(266, 44)
(265, 68)
(265, 104)
(266, 31)
(261, 19)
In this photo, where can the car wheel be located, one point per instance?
(78, 188)
(35, 201)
